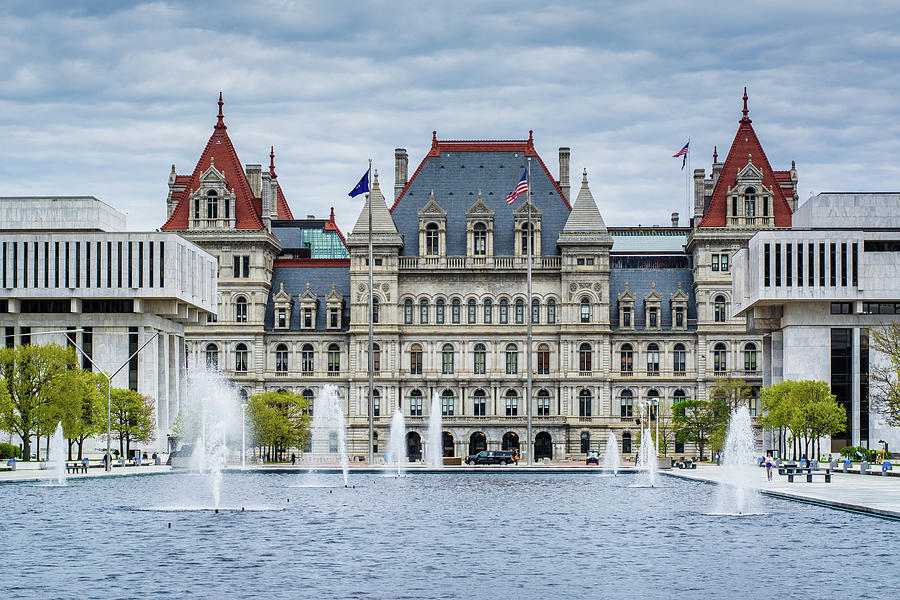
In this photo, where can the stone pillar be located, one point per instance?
(853, 425)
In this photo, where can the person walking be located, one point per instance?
(770, 462)
(293, 458)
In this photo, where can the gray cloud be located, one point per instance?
(101, 98)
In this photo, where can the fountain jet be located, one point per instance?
(611, 460)
(435, 434)
(397, 442)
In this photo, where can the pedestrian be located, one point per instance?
(293, 458)
(770, 462)
(86, 463)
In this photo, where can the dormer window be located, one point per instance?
(480, 239)
(479, 229)
(750, 202)
(282, 318)
(212, 205)
(525, 238)
(432, 240)
(196, 208)
(334, 303)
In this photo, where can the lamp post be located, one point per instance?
(243, 435)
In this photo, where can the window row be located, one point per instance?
(282, 362)
(679, 355)
(789, 264)
(505, 312)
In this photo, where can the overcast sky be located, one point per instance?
(101, 99)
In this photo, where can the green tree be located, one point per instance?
(697, 420)
(132, 418)
(884, 376)
(82, 408)
(733, 392)
(816, 413)
(776, 409)
(278, 420)
(33, 377)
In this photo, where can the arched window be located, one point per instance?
(415, 359)
(447, 359)
(240, 309)
(439, 311)
(652, 359)
(551, 311)
(415, 403)
(212, 205)
(504, 311)
(719, 358)
(678, 359)
(653, 402)
(585, 442)
(626, 443)
(719, 309)
(480, 239)
(512, 403)
(432, 240)
(585, 310)
(488, 311)
(584, 357)
(334, 359)
(309, 399)
(750, 202)
(543, 403)
(407, 312)
(212, 356)
(240, 358)
(480, 355)
(423, 311)
(584, 403)
(307, 359)
(525, 239)
(512, 359)
(750, 357)
(543, 359)
(376, 403)
(454, 311)
(447, 403)
(375, 309)
(626, 401)
(626, 354)
(520, 311)
(678, 396)
(535, 311)
(473, 311)
(479, 399)
(281, 358)
(376, 358)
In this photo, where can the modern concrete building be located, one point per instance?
(66, 265)
(815, 292)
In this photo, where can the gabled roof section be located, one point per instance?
(585, 216)
(745, 144)
(220, 151)
(381, 217)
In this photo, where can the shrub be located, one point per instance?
(9, 451)
(858, 453)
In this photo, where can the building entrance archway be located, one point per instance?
(477, 442)
(543, 446)
(447, 444)
(413, 446)
(510, 441)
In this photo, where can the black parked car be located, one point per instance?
(593, 458)
(492, 457)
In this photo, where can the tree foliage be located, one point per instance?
(698, 421)
(733, 392)
(884, 375)
(82, 407)
(807, 410)
(279, 420)
(35, 379)
(132, 418)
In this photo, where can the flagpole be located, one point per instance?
(687, 184)
(528, 317)
(371, 326)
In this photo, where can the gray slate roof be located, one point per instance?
(456, 178)
(585, 216)
(381, 216)
(320, 280)
(639, 281)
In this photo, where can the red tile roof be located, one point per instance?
(331, 225)
(745, 145)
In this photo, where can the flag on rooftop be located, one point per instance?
(521, 188)
(362, 187)
(683, 152)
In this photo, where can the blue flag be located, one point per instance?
(362, 187)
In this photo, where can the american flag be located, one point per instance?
(683, 152)
(521, 188)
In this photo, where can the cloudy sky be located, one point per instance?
(101, 99)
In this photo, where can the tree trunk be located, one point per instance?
(71, 441)
(121, 445)
(80, 448)
(26, 447)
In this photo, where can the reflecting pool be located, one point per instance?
(426, 535)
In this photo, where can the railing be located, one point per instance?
(212, 223)
(751, 221)
(479, 262)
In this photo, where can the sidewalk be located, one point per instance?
(32, 474)
(879, 496)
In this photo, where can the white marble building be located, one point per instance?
(67, 265)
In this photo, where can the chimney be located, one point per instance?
(564, 171)
(254, 176)
(401, 171)
(674, 219)
(699, 194)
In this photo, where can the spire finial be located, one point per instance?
(272, 162)
(374, 179)
(746, 111)
(530, 136)
(307, 286)
(584, 176)
(479, 194)
(434, 135)
(220, 124)
(715, 155)
(331, 218)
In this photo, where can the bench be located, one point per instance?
(76, 467)
(809, 474)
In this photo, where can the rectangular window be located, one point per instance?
(843, 264)
(109, 262)
(811, 280)
(821, 265)
(87, 344)
(25, 336)
(119, 257)
(423, 313)
(140, 264)
(777, 265)
(46, 264)
(789, 264)
(472, 312)
(842, 308)
(150, 264)
(3, 270)
(652, 317)
(130, 264)
(679, 317)
(842, 380)
(766, 266)
(855, 266)
(99, 264)
(10, 336)
(67, 264)
(504, 313)
(626, 317)
(715, 262)
(77, 264)
(454, 312)
(488, 313)
(589, 262)
(832, 265)
(25, 264)
(439, 313)
(36, 259)
(512, 406)
(56, 266)
(520, 312)
(724, 262)
(863, 383)
(162, 264)
(133, 363)
(480, 406)
(579, 261)
(799, 265)
(87, 264)
(15, 264)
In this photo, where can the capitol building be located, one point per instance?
(622, 317)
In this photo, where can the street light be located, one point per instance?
(243, 435)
